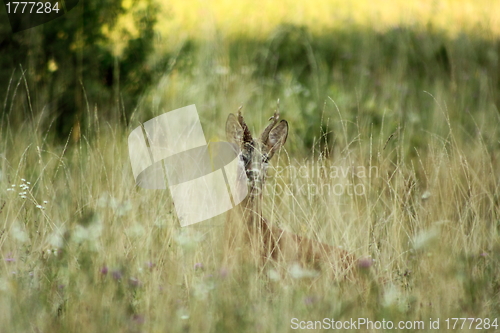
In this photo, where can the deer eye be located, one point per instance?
(245, 159)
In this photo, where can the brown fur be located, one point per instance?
(268, 242)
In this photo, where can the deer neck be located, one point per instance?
(252, 206)
(256, 173)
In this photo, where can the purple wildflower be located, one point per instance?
(365, 263)
(223, 272)
(138, 319)
(309, 300)
(117, 275)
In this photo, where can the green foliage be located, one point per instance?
(75, 65)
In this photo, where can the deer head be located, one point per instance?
(255, 153)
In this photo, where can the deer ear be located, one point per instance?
(234, 131)
(277, 136)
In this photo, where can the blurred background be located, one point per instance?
(373, 58)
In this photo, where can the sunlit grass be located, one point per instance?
(200, 20)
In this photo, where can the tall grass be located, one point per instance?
(84, 249)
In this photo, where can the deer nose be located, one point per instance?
(253, 173)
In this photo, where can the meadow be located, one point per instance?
(393, 154)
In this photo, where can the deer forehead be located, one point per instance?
(253, 153)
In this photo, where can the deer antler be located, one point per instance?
(247, 136)
(274, 121)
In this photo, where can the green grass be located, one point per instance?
(105, 256)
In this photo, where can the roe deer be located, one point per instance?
(267, 241)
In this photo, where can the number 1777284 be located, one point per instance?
(31, 7)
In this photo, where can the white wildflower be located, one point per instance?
(273, 275)
(55, 239)
(19, 233)
(426, 195)
(425, 237)
(297, 272)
